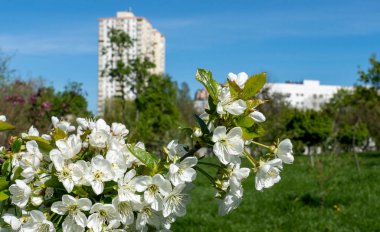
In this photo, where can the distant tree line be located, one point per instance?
(32, 102)
(349, 121)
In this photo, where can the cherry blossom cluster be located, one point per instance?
(87, 176)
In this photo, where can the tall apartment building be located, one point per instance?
(148, 42)
(308, 94)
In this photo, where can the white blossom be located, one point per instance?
(3, 118)
(101, 171)
(239, 79)
(69, 147)
(154, 189)
(118, 163)
(228, 104)
(237, 174)
(257, 116)
(268, 174)
(39, 223)
(176, 150)
(125, 210)
(175, 202)
(146, 216)
(183, 172)
(119, 129)
(62, 125)
(80, 171)
(228, 144)
(20, 193)
(64, 169)
(32, 132)
(285, 151)
(14, 222)
(230, 202)
(74, 208)
(70, 225)
(100, 134)
(127, 187)
(102, 214)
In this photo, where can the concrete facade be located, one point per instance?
(148, 42)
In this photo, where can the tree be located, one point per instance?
(311, 128)
(159, 114)
(372, 76)
(185, 105)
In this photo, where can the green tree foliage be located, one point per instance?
(185, 105)
(31, 102)
(309, 127)
(159, 114)
(152, 114)
(277, 112)
(372, 76)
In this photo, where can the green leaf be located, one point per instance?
(3, 195)
(202, 125)
(58, 134)
(187, 131)
(255, 131)
(145, 157)
(17, 174)
(253, 103)
(253, 85)
(42, 143)
(246, 122)
(4, 184)
(212, 86)
(79, 191)
(5, 126)
(16, 145)
(234, 89)
(211, 105)
(54, 182)
(6, 168)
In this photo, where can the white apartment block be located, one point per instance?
(308, 94)
(148, 42)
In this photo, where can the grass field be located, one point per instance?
(332, 196)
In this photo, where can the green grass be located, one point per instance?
(332, 196)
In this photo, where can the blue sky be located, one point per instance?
(291, 40)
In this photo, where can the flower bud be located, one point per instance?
(198, 132)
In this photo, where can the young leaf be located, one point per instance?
(211, 104)
(80, 191)
(202, 124)
(145, 157)
(211, 85)
(234, 89)
(253, 103)
(253, 85)
(6, 168)
(5, 126)
(16, 145)
(58, 134)
(3, 196)
(246, 122)
(4, 184)
(253, 132)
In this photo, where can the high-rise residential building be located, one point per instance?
(308, 94)
(147, 42)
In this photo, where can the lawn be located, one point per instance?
(332, 196)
